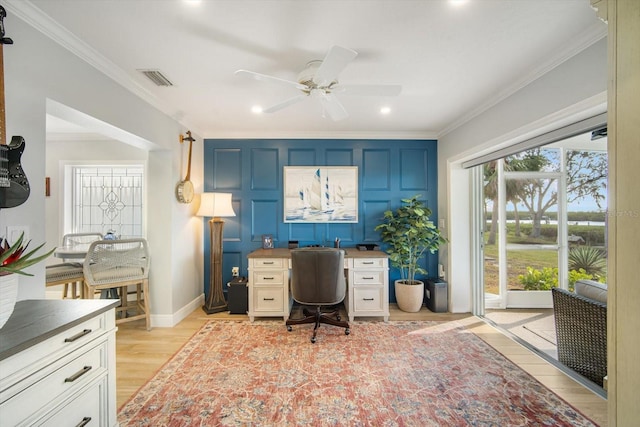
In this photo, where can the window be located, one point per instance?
(105, 198)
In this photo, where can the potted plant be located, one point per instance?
(409, 233)
(13, 260)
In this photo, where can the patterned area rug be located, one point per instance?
(382, 374)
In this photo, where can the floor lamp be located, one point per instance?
(215, 206)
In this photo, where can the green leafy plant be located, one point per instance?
(575, 275)
(409, 233)
(13, 258)
(539, 280)
(589, 259)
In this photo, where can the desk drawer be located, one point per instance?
(364, 263)
(368, 277)
(268, 278)
(367, 299)
(268, 299)
(270, 262)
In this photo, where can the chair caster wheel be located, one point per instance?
(338, 318)
(313, 340)
(289, 328)
(347, 331)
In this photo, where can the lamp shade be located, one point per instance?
(215, 205)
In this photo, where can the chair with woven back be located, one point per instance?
(119, 264)
(69, 273)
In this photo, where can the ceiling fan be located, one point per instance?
(319, 80)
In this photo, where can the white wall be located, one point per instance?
(574, 90)
(38, 71)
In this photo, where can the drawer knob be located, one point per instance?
(268, 299)
(367, 262)
(367, 278)
(77, 375)
(268, 278)
(368, 299)
(268, 262)
(78, 335)
(84, 422)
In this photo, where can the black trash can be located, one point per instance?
(238, 296)
(435, 291)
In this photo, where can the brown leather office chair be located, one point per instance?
(317, 279)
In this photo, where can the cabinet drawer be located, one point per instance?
(83, 410)
(268, 299)
(268, 278)
(368, 277)
(367, 299)
(364, 263)
(69, 377)
(269, 262)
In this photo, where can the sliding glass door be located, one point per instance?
(535, 205)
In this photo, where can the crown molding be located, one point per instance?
(590, 36)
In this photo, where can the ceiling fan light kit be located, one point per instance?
(319, 80)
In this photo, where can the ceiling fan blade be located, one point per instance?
(368, 90)
(336, 60)
(271, 79)
(285, 103)
(333, 107)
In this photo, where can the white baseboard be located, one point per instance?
(171, 320)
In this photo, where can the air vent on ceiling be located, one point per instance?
(157, 77)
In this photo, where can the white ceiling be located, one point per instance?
(452, 60)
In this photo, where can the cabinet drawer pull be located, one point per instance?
(84, 422)
(77, 375)
(368, 299)
(367, 262)
(268, 278)
(267, 262)
(367, 278)
(268, 299)
(78, 335)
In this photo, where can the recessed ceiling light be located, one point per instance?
(385, 110)
(457, 2)
(256, 109)
(193, 2)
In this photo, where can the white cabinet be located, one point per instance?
(368, 286)
(57, 364)
(269, 285)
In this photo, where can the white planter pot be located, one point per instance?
(409, 297)
(8, 296)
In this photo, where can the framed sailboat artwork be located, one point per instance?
(315, 194)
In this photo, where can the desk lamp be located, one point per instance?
(215, 206)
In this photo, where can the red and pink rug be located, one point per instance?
(382, 374)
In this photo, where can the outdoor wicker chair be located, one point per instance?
(581, 329)
(120, 264)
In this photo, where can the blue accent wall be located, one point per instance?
(252, 170)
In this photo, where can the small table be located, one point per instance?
(72, 252)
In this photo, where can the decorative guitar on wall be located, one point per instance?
(14, 185)
(184, 189)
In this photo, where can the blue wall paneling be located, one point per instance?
(388, 171)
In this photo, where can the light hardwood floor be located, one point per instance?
(141, 353)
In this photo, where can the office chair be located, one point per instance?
(119, 264)
(317, 279)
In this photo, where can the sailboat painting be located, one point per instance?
(321, 194)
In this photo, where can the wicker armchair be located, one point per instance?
(120, 264)
(581, 330)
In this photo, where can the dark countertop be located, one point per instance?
(34, 321)
(286, 253)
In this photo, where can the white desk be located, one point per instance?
(367, 283)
